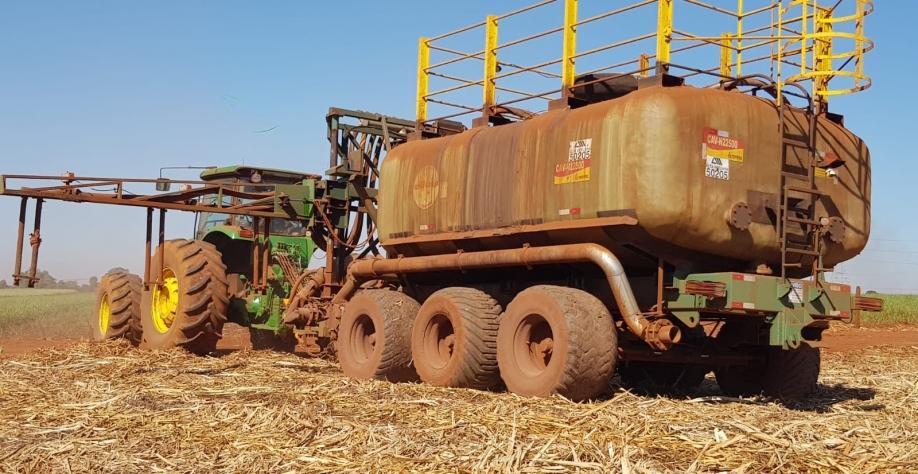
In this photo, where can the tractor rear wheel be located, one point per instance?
(454, 340)
(187, 302)
(557, 340)
(117, 312)
(374, 336)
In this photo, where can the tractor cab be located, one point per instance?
(251, 179)
(241, 241)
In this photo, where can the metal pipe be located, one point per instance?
(256, 252)
(162, 246)
(17, 268)
(149, 249)
(266, 254)
(659, 333)
(35, 240)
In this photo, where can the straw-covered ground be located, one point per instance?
(108, 407)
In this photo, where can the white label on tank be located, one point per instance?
(796, 292)
(580, 150)
(717, 168)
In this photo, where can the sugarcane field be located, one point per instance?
(636, 236)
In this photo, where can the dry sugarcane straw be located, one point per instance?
(107, 407)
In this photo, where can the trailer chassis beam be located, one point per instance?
(656, 331)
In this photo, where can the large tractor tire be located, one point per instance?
(557, 340)
(374, 336)
(117, 313)
(785, 374)
(187, 302)
(454, 340)
(658, 377)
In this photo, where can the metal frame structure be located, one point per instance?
(338, 210)
(777, 34)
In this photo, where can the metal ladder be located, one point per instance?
(797, 188)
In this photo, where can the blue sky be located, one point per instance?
(123, 88)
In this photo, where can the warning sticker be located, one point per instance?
(796, 292)
(826, 157)
(719, 144)
(577, 166)
(717, 168)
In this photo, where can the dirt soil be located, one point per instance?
(107, 407)
(837, 339)
(846, 338)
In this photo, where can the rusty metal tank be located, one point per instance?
(684, 174)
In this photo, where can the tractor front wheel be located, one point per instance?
(186, 303)
(117, 313)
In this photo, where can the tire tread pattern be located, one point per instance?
(124, 291)
(591, 353)
(480, 314)
(204, 299)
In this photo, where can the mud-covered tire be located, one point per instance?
(266, 339)
(657, 377)
(792, 374)
(201, 289)
(117, 310)
(786, 374)
(218, 271)
(557, 340)
(454, 339)
(374, 336)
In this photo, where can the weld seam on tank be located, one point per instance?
(659, 334)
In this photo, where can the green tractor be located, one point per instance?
(260, 307)
(257, 230)
(198, 285)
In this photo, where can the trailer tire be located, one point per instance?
(658, 377)
(117, 313)
(187, 308)
(374, 336)
(792, 374)
(454, 340)
(786, 374)
(557, 340)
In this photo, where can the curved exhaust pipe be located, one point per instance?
(660, 334)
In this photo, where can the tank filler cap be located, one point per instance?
(740, 216)
(834, 228)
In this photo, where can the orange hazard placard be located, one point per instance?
(719, 144)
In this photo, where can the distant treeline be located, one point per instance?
(46, 280)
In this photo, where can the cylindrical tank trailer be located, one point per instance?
(564, 174)
(664, 232)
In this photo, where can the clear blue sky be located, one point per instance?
(123, 88)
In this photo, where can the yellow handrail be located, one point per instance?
(809, 36)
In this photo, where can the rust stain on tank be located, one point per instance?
(643, 155)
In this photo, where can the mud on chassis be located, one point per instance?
(561, 319)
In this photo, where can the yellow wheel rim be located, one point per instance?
(165, 301)
(105, 315)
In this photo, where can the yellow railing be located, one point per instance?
(789, 41)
